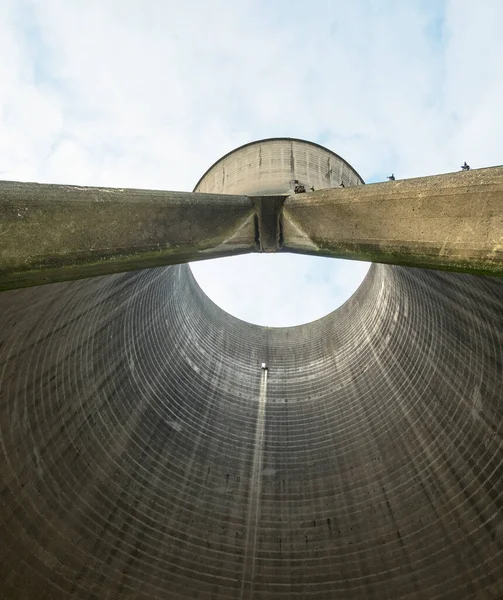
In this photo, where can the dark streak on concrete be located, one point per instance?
(268, 210)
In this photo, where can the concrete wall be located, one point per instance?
(269, 166)
(145, 454)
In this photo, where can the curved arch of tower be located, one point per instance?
(145, 453)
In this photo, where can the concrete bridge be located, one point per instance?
(53, 233)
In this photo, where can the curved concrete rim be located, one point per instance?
(257, 143)
(276, 139)
(146, 454)
(327, 315)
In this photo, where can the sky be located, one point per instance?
(150, 93)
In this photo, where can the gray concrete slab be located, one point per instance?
(52, 233)
(452, 221)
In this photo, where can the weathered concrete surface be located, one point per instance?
(270, 167)
(52, 233)
(145, 455)
(269, 233)
(452, 221)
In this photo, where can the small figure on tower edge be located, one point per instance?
(465, 166)
(391, 177)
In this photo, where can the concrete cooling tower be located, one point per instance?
(146, 454)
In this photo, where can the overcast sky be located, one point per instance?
(149, 93)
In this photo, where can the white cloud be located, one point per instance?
(149, 93)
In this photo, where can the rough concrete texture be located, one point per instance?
(452, 221)
(269, 222)
(54, 232)
(145, 454)
(271, 166)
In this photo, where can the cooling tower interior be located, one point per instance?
(147, 454)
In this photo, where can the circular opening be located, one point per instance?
(279, 290)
